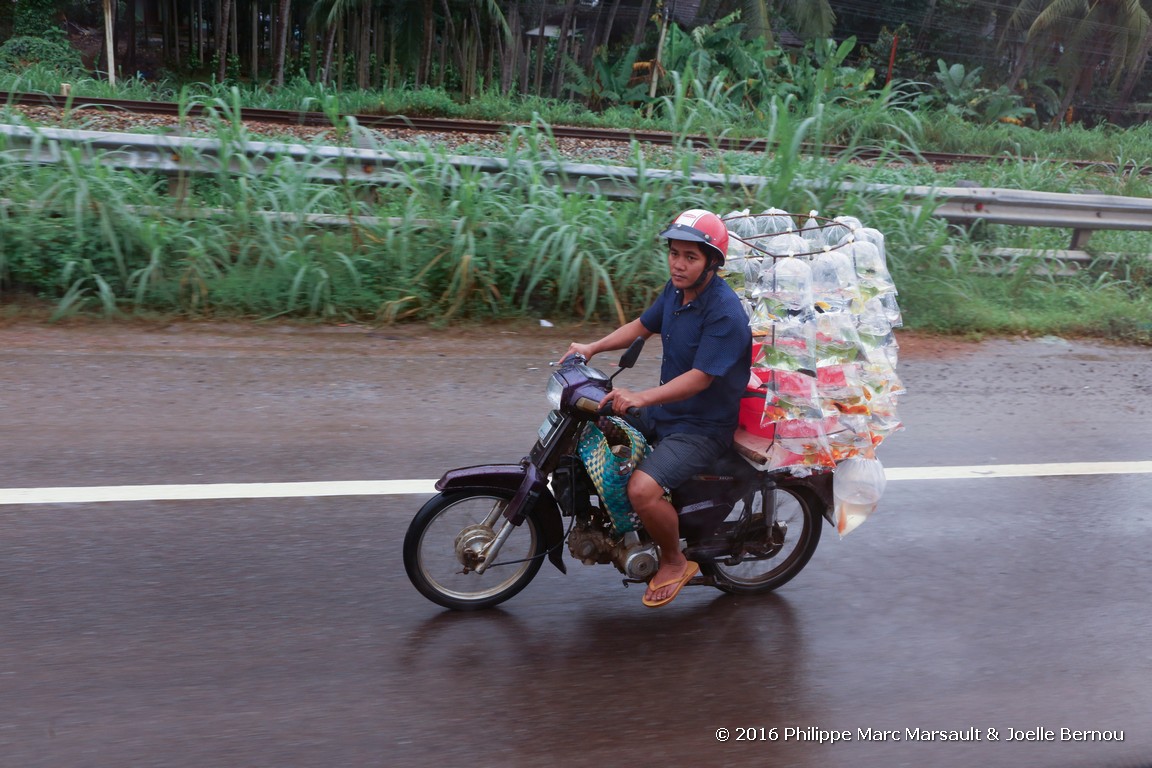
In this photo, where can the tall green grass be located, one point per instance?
(468, 244)
(449, 244)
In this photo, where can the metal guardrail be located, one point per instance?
(181, 158)
(1082, 213)
(320, 220)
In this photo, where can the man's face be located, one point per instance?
(686, 262)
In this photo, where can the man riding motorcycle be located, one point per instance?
(692, 414)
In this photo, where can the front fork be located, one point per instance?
(489, 553)
(526, 497)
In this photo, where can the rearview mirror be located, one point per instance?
(632, 354)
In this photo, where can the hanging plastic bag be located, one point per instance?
(856, 490)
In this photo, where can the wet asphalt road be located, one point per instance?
(284, 632)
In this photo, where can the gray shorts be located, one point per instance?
(678, 456)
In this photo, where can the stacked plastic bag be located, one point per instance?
(822, 306)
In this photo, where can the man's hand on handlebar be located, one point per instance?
(621, 400)
(583, 350)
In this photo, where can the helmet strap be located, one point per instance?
(710, 270)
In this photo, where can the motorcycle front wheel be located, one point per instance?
(448, 536)
(784, 550)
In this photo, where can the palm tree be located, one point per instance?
(562, 43)
(808, 18)
(1124, 98)
(337, 18)
(510, 60)
(1084, 39)
(279, 53)
(222, 33)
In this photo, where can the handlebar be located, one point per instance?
(575, 357)
(606, 410)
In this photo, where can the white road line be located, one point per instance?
(86, 495)
(211, 491)
(1019, 470)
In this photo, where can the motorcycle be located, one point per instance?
(485, 535)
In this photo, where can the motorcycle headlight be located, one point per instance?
(555, 390)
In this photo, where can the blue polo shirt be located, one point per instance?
(709, 333)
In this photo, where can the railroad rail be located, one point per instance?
(488, 128)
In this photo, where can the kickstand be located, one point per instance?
(626, 582)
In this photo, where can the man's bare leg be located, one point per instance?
(663, 525)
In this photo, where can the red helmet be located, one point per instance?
(704, 227)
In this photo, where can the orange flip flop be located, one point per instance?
(690, 570)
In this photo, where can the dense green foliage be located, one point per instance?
(34, 18)
(52, 51)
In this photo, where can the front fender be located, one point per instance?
(545, 513)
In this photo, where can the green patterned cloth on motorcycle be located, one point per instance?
(610, 452)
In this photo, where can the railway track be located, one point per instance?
(485, 128)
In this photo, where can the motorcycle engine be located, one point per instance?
(590, 546)
(640, 560)
(633, 558)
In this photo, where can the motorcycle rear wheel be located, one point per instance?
(448, 530)
(752, 576)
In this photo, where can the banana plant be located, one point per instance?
(609, 84)
(963, 96)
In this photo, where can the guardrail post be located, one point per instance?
(178, 187)
(1079, 238)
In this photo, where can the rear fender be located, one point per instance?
(511, 477)
(818, 488)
